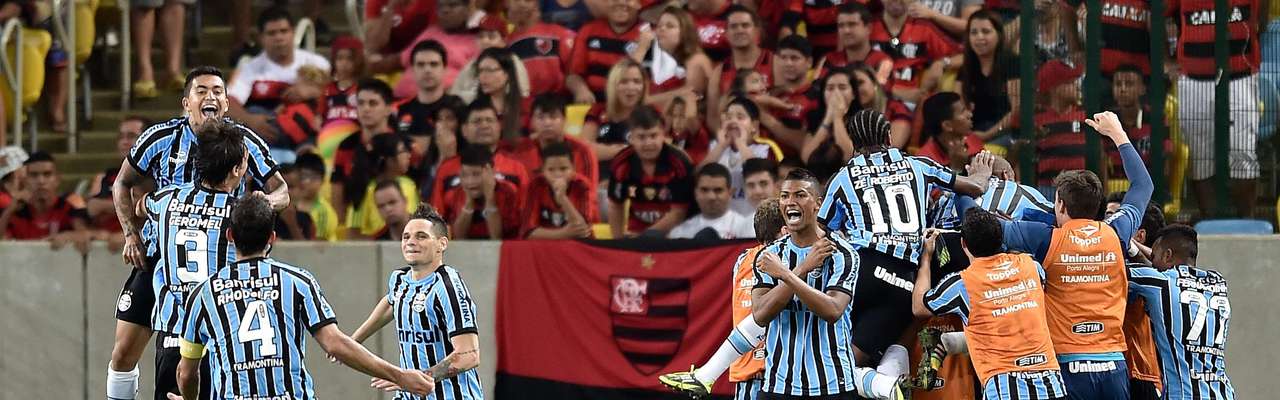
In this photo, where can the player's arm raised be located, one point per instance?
(351, 353)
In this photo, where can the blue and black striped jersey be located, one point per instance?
(880, 200)
(1011, 199)
(808, 356)
(192, 244)
(1189, 314)
(428, 313)
(252, 318)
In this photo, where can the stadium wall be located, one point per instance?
(60, 305)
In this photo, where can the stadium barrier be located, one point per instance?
(60, 304)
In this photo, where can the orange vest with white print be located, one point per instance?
(1087, 288)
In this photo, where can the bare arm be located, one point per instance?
(793, 138)
(377, 31)
(465, 356)
(378, 318)
(256, 122)
(130, 222)
(616, 214)
(669, 220)
(924, 282)
(188, 378)
(713, 96)
(979, 173)
(277, 192)
(812, 143)
(462, 225)
(346, 350)
(581, 92)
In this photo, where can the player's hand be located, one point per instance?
(920, 10)
(174, 396)
(821, 250)
(770, 264)
(1108, 124)
(132, 251)
(930, 240)
(980, 168)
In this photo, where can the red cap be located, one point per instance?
(346, 42)
(495, 23)
(1054, 73)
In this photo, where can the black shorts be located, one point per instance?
(881, 301)
(137, 298)
(167, 357)
(1143, 390)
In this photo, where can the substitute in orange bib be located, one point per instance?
(1086, 289)
(1001, 300)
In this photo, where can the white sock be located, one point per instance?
(872, 384)
(122, 385)
(895, 362)
(955, 343)
(744, 337)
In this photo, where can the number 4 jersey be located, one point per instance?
(1189, 312)
(192, 244)
(880, 199)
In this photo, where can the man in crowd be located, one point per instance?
(600, 44)
(655, 176)
(480, 126)
(389, 28)
(39, 212)
(715, 219)
(453, 29)
(415, 115)
(543, 47)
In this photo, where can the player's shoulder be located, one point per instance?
(161, 131)
(295, 272)
(449, 273)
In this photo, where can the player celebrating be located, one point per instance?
(430, 303)
(1000, 298)
(1189, 313)
(250, 316)
(159, 160)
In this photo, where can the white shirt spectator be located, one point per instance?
(260, 82)
(731, 225)
(730, 158)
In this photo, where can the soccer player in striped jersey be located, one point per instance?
(880, 200)
(1000, 298)
(809, 349)
(159, 160)
(250, 318)
(1006, 197)
(193, 243)
(1189, 313)
(434, 315)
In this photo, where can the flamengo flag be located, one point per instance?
(601, 320)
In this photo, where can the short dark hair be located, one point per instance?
(389, 183)
(644, 117)
(797, 43)
(867, 128)
(738, 8)
(855, 8)
(199, 72)
(982, 233)
(385, 148)
(1130, 68)
(481, 103)
(272, 14)
(714, 170)
(803, 175)
(376, 86)
(556, 149)
(938, 109)
(135, 117)
(310, 162)
(749, 106)
(38, 156)
(1080, 192)
(1116, 197)
(757, 165)
(429, 45)
(219, 150)
(549, 102)
(1182, 239)
(768, 221)
(439, 227)
(476, 155)
(1152, 222)
(252, 222)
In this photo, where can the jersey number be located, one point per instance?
(193, 262)
(257, 309)
(1202, 305)
(901, 204)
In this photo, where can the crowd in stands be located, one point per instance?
(623, 118)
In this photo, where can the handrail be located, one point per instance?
(304, 35)
(353, 18)
(12, 30)
(126, 56)
(64, 25)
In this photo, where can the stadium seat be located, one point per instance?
(1234, 227)
(35, 46)
(85, 28)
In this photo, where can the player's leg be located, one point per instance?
(696, 383)
(881, 315)
(1143, 390)
(168, 356)
(936, 346)
(133, 330)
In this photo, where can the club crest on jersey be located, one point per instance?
(126, 301)
(419, 302)
(648, 314)
(542, 45)
(178, 158)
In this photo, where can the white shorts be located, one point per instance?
(1195, 117)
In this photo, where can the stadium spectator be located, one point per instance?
(306, 226)
(349, 66)
(853, 25)
(677, 66)
(689, 132)
(389, 161)
(920, 51)
(543, 47)
(1126, 35)
(102, 212)
(653, 175)
(744, 53)
(483, 206)
(1055, 37)
(498, 76)
(143, 20)
(390, 27)
(298, 119)
(949, 15)
(39, 212)
(1061, 146)
(819, 19)
(873, 96)
(711, 24)
(737, 141)
(353, 158)
(571, 14)
(265, 81)
(389, 198)
(443, 145)
(304, 194)
(415, 115)
(603, 42)
(547, 128)
(1128, 89)
(791, 83)
(1196, 100)
(989, 78)
(561, 203)
(605, 126)
(715, 219)
(948, 131)
(829, 146)
(455, 20)
(761, 176)
(13, 178)
(480, 127)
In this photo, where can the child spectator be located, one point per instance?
(298, 117)
(715, 219)
(389, 198)
(483, 206)
(304, 194)
(547, 128)
(480, 128)
(443, 145)
(761, 176)
(13, 179)
(390, 162)
(352, 162)
(340, 94)
(102, 211)
(653, 175)
(1061, 146)
(739, 140)
(306, 227)
(688, 132)
(560, 202)
(1128, 89)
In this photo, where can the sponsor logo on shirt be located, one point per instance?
(1034, 359)
(1087, 328)
(1077, 367)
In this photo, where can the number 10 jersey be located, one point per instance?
(192, 245)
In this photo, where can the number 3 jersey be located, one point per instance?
(1189, 313)
(192, 246)
(880, 200)
(428, 313)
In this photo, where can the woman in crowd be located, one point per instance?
(444, 144)
(497, 76)
(605, 127)
(988, 80)
(676, 36)
(829, 145)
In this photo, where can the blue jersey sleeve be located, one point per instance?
(948, 297)
(315, 309)
(935, 173)
(193, 330)
(151, 148)
(832, 214)
(764, 280)
(392, 281)
(845, 263)
(1147, 283)
(261, 165)
(1029, 237)
(459, 313)
(155, 203)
